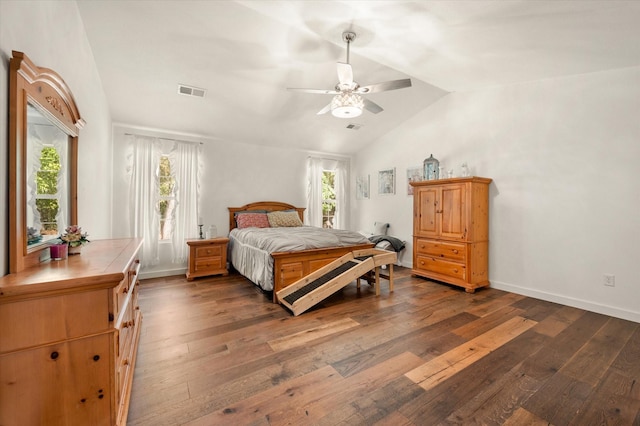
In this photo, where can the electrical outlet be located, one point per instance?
(609, 280)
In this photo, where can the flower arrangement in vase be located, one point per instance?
(74, 236)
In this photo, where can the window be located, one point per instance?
(47, 195)
(328, 198)
(166, 197)
(327, 193)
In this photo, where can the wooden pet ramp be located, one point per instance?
(320, 284)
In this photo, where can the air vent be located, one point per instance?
(191, 91)
(354, 126)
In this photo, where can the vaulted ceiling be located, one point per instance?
(246, 53)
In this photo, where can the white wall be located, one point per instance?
(234, 174)
(52, 35)
(564, 202)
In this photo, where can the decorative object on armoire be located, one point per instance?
(431, 166)
(414, 174)
(387, 181)
(451, 231)
(450, 174)
(464, 170)
(74, 236)
(59, 251)
(442, 172)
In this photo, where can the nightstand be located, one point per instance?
(207, 257)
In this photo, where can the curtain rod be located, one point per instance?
(166, 139)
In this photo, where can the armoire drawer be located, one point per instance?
(440, 266)
(442, 249)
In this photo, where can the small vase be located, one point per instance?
(75, 250)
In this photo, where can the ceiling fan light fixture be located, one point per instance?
(347, 105)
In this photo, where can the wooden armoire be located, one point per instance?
(451, 231)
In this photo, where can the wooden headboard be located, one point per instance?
(270, 206)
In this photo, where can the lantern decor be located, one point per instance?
(431, 168)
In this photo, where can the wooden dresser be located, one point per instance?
(69, 333)
(451, 231)
(207, 257)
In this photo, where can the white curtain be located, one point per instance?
(144, 192)
(185, 166)
(315, 167)
(341, 219)
(314, 192)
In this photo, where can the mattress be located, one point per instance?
(250, 248)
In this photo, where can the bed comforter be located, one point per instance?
(250, 248)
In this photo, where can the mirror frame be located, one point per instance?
(48, 92)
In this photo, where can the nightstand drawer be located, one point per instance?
(211, 264)
(209, 251)
(440, 266)
(441, 249)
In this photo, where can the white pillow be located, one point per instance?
(380, 228)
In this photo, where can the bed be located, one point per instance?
(254, 254)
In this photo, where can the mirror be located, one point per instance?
(47, 180)
(43, 147)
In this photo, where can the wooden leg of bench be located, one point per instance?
(377, 281)
(390, 277)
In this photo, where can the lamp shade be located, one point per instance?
(346, 105)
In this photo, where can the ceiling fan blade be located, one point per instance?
(345, 74)
(324, 110)
(387, 85)
(316, 91)
(372, 106)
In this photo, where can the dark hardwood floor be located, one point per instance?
(217, 351)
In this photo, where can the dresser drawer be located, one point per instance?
(209, 251)
(49, 319)
(442, 249)
(441, 266)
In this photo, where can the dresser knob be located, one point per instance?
(54, 355)
(96, 357)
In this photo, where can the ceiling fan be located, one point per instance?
(348, 101)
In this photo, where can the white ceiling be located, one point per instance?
(246, 53)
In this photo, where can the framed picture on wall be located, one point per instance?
(362, 187)
(387, 181)
(414, 174)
